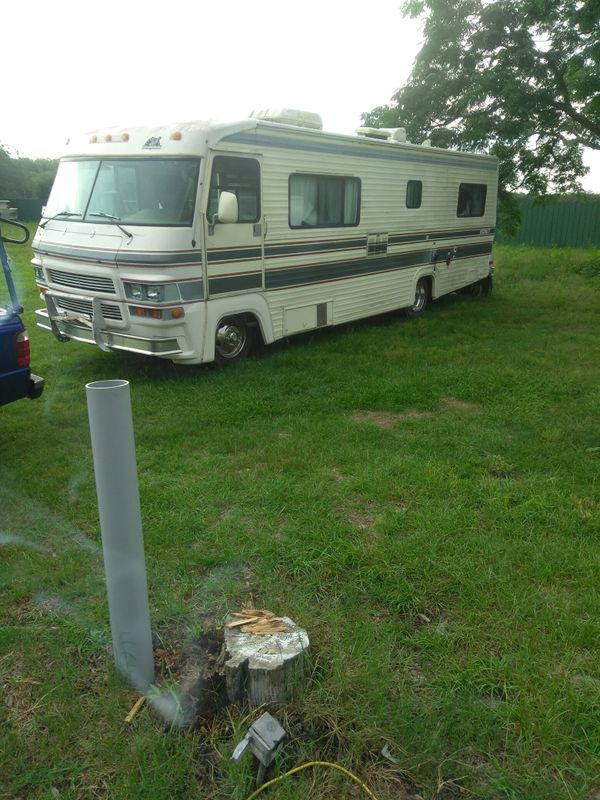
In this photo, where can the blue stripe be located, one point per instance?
(320, 273)
(243, 253)
(342, 149)
(182, 258)
(234, 283)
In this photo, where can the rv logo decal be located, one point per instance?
(153, 143)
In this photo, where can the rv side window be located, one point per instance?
(414, 192)
(323, 201)
(471, 200)
(240, 176)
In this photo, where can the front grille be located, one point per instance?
(109, 310)
(92, 283)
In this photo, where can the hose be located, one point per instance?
(347, 772)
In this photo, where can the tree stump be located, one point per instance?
(264, 668)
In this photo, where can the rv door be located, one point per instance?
(234, 247)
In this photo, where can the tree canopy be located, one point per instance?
(517, 78)
(25, 177)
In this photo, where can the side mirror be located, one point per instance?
(228, 208)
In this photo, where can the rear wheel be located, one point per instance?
(233, 340)
(482, 288)
(421, 299)
(487, 286)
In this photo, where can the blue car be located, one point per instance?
(16, 377)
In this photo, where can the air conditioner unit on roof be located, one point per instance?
(289, 116)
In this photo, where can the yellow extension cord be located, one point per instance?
(347, 772)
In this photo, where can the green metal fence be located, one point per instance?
(569, 221)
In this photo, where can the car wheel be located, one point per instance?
(421, 299)
(233, 340)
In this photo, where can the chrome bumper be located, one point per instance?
(84, 329)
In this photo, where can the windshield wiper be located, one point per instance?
(60, 214)
(112, 218)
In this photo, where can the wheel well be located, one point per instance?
(251, 321)
(429, 283)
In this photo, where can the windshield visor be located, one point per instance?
(136, 191)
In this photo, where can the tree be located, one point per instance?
(25, 177)
(517, 78)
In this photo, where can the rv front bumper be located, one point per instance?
(82, 329)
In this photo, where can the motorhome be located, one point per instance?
(189, 241)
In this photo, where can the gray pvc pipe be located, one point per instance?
(113, 447)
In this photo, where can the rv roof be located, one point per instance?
(192, 137)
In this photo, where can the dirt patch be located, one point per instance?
(388, 419)
(362, 519)
(19, 692)
(453, 403)
(358, 512)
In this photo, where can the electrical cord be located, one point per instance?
(347, 772)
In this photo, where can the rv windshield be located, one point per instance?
(136, 191)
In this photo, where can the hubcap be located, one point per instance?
(230, 340)
(420, 296)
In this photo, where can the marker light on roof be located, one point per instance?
(176, 136)
(109, 137)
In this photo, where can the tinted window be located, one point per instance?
(324, 201)
(414, 191)
(471, 200)
(241, 176)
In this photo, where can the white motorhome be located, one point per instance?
(187, 241)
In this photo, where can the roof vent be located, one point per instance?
(398, 134)
(374, 133)
(289, 116)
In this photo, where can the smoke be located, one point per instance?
(15, 540)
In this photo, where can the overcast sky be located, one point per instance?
(70, 67)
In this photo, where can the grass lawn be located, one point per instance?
(422, 496)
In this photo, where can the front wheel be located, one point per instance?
(233, 340)
(421, 299)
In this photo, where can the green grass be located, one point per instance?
(445, 566)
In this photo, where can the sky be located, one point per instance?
(79, 66)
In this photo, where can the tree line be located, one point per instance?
(25, 177)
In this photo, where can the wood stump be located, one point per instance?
(264, 668)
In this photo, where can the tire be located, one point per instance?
(487, 286)
(482, 288)
(475, 289)
(233, 340)
(421, 299)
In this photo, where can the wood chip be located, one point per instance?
(256, 620)
(237, 622)
(253, 612)
(138, 704)
(265, 627)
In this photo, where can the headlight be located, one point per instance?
(39, 274)
(154, 293)
(133, 290)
